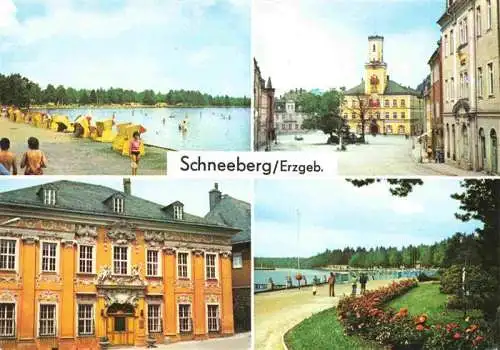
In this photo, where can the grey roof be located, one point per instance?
(235, 213)
(94, 199)
(392, 88)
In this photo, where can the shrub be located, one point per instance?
(422, 277)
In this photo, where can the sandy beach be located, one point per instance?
(68, 155)
(277, 312)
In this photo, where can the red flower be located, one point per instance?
(420, 327)
(457, 336)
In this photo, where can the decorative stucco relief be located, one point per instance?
(212, 298)
(86, 231)
(8, 296)
(48, 296)
(184, 298)
(184, 283)
(48, 278)
(122, 232)
(105, 277)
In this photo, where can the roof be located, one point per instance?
(92, 199)
(235, 213)
(392, 88)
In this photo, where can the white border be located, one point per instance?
(17, 255)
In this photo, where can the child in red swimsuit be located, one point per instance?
(135, 153)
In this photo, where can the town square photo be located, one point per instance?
(116, 262)
(395, 87)
(111, 87)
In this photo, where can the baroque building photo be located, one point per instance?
(84, 265)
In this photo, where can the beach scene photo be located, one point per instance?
(376, 264)
(111, 87)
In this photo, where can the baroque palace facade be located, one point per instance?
(387, 106)
(79, 262)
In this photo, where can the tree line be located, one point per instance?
(20, 91)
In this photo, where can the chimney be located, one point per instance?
(215, 196)
(127, 187)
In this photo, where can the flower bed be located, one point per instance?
(364, 317)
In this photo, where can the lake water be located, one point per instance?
(279, 275)
(211, 129)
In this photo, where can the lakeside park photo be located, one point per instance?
(376, 264)
(84, 77)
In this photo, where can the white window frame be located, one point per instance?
(219, 321)
(491, 79)
(160, 320)
(488, 15)
(452, 42)
(188, 264)
(56, 321)
(241, 257)
(113, 259)
(480, 82)
(216, 267)
(190, 318)
(178, 212)
(446, 48)
(118, 205)
(94, 252)
(452, 89)
(478, 21)
(58, 256)
(93, 319)
(49, 196)
(16, 254)
(159, 271)
(14, 325)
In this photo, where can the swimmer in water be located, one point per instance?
(163, 121)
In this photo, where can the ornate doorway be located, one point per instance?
(120, 324)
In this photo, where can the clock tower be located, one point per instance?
(375, 69)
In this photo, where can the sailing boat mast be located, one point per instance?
(298, 239)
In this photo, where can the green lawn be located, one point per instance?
(426, 299)
(323, 331)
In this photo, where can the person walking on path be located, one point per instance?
(7, 158)
(354, 285)
(363, 279)
(33, 160)
(135, 151)
(331, 284)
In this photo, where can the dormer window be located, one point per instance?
(118, 205)
(49, 196)
(178, 212)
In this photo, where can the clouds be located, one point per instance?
(322, 44)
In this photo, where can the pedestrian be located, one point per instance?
(363, 279)
(429, 153)
(7, 158)
(135, 151)
(331, 284)
(314, 290)
(354, 285)
(33, 160)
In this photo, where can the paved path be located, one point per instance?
(383, 155)
(68, 155)
(277, 312)
(237, 342)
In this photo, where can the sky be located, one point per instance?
(324, 43)
(192, 193)
(335, 214)
(132, 44)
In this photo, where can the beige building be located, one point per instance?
(471, 83)
(263, 99)
(288, 117)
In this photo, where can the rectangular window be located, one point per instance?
(47, 320)
(85, 319)
(452, 42)
(120, 260)
(478, 21)
(386, 115)
(213, 318)
(49, 196)
(395, 115)
(403, 103)
(394, 103)
(118, 205)
(237, 261)
(402, 115)
(466, 85)
(178, 211)
(466, 30)
(488, 14)
(184, 318)
(461, 28)
(386, 103)
(7, 319)
(152, 263)
(7, 254)
(452, 88)
(86, 259)
(490, 79)
(182, 265)
(446, 45)
(154, 319)
(210, 261)
(461, 88)
(49, 251)
(353, 103)
(479, 82)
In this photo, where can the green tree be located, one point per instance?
(49, 94)
(61, 95)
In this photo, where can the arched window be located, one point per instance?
(373, 47)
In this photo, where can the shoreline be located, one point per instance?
(124, 107)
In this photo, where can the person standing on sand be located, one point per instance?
(331, 284)
(7, 158)
(33, 160)
(135, 151)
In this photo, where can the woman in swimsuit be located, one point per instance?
(33, 160)
(135, 153)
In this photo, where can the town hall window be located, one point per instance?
(182, 265)
(213, 318)
(49, 256)
(210, 262)
(178, 212)
(490, 79)
(403, 103)
(402, 115)
(386, 103)
(85, 319)
(184, 318)
(47, 323)
(394, 103)
(120, 260)
(118, 205)
(152, 263)
(154, 318)
(49, 196)
(395, 115)
(7, 318)
(7, 254)
(488, 14)
(86, 257)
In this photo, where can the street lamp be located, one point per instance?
(10, 221)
